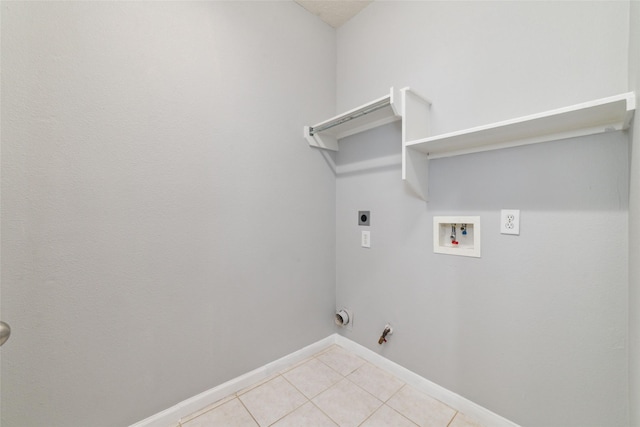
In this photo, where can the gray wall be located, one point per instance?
(163, 221)
(634, 224)
(536, 329)
(164, 225)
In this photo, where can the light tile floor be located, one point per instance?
(332, 388)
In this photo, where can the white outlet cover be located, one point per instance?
(366, 239)
(510, 221)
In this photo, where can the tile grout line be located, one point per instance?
(247, 409)
(266, 381)
(297, 407)
(315, 356)
(321, 361)
(371, 414)
(384, 403)
(342, 353)
(452, 418)
(403, 415)
(202, 411)
(345, 377)
(346, 351)
(325, 414)
(362, 388)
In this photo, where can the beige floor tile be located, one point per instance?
(230, 414)
(461, 420)
(376, 381)
(386, 417)
(341, 360)
(346, 403)
(306, 415)
(421, 408)
(272, 400)
(345, 391)
(312, 378)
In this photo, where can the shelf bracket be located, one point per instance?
(403, 104)
(326, 142)
(325, 135)
(345, 118)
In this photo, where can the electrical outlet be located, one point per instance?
(365, 239)
(510, 221)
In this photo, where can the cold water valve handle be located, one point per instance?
(388, 330)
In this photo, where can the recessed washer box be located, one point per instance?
(456, 235)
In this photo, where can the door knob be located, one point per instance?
(5, 331)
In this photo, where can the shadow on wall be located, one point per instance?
(557, 175)
(376, 149)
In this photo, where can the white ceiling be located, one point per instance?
(334, 12)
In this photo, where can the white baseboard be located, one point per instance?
(170, 416)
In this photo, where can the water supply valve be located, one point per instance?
(388, 330)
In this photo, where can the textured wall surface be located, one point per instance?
(165, 227)
(536, 329)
